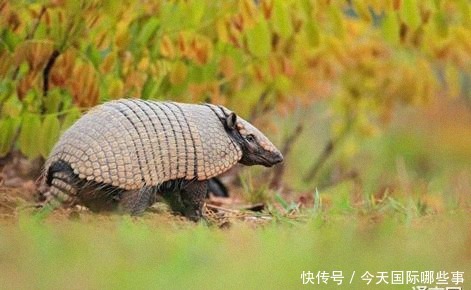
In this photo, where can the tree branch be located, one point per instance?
(326, 153)
(259, 106)
(36, 24)
(279, 170)
(47, 70)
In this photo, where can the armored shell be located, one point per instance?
(135, 143)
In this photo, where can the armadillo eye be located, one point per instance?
(250, 138)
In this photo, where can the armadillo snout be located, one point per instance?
(278, 158)
(265, 158)
(273, 158)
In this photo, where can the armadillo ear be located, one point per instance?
(231, 120)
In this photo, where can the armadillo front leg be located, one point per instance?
(193, 196)
(135, 202)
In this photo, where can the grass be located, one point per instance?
(123, 253)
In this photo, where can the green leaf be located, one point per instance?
(50, 131)
(210, 71)
(308, 7)
(390, 28)
(93, 55)
(150, 88)
(312, 33)
(172, 16)
(70, 118)
(282, 84)
(465, 10)
(259, 39)
(53, 100)
(410, 13)
(10, 39)
(148, 30)
(29, 135)
(196, 74)
(337, 21)
(57, 28)
(12, 107)
(197, 11)
(248, 97)
(441, 24)
(281, 19)
(7, 87)
(41, 31)
(8, 129)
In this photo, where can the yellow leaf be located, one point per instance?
(337, 21)
(248, 11)
(281, 19)
(115, 88)
(390, 28)
(122, 34)
(179, 73)
(410, 13)
(221, 28)
(143, 64)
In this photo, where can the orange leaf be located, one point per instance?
(36, 54)
(167, 48)
(63, 67)
(227, 67)
(85, 86)
(26, 83)
(267, 8)
(108, 63)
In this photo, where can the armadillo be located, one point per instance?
(122, 154)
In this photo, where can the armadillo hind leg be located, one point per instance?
(192, 196)
(135, 202)
(174, 200)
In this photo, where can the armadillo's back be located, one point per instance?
(133, 143)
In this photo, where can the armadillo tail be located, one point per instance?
(61, 193)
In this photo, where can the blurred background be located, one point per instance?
(370, 102)
(367, 98)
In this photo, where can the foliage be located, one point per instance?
(60, 57)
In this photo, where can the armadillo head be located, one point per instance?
(255, 146)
